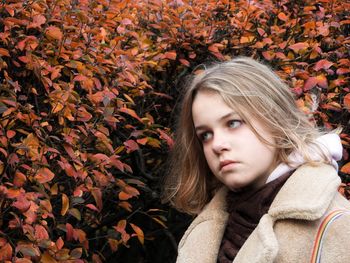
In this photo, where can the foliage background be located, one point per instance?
(87, 97)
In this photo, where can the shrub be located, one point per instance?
(87, 94)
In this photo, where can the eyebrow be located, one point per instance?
(203, 127)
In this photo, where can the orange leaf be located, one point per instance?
(124, 196)
(19, 179)
(170, 55)
(322, 81)
(131, 112)
(44, 175)
(347, 105)
(54, 33)
(4, 52)
(139, 233)
(6, 252)
(65, 204)
(299, 46)
(346, 167)
(282, 16)
(46, 258)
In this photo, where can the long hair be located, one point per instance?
(255, 92)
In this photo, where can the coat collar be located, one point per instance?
(306, 195)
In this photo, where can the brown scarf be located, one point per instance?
(246, 208)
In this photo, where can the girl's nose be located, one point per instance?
(220, 144)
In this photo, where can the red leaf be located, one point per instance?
(166, 137)
(341, 71)
(69, 233)
(184, 62)
(323, 64)
(10, 134)
(40, 232)
(131, 146)
(92, 207)
(310, 83)
(44, 175)
(59, 243)
(97, 194)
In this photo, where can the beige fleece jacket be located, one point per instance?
(287, 232)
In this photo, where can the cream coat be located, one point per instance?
(287, 232)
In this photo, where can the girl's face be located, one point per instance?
(233, 152)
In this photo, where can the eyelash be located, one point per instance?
(229, 124)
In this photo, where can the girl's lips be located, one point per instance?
(226, 164)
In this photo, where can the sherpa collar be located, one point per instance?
(306, 195)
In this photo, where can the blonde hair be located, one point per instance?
(255, 92)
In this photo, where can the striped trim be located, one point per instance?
(322, 230)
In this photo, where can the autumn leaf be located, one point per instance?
(347, 104)
(346, 168)
(38, 20)
(54, 32)
(40, 232)
(170, 55)
(6, 252)
(323, 64)
(139, 233)
(65, 204)
(282, 16)
(131, 146)
(4, 52)
(44, 175)
(299, 47)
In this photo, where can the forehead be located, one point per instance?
(209, 106)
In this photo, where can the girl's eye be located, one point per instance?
(205, 136)
(234, 123)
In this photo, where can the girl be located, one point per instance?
(257, 173)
